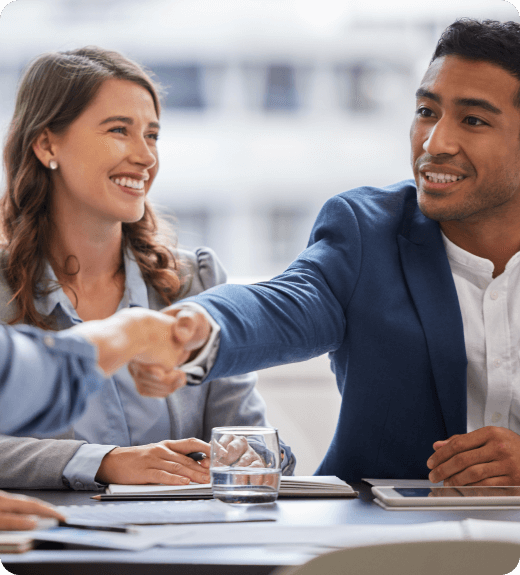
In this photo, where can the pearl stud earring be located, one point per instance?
(53, 165)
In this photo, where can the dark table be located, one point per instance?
(227, 560)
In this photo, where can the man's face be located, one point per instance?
(466, 140)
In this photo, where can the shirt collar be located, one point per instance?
(135, 294)
(474, 268)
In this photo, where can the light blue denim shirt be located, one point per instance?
(45, 379)
(117, 415)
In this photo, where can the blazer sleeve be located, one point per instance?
(297, 315)
(29, 463)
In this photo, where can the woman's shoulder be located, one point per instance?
(202, 270)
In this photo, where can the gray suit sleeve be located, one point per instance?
(29, 463)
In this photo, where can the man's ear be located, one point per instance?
(44, 147)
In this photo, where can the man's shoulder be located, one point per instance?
(397, 193)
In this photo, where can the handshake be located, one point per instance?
(153, 343)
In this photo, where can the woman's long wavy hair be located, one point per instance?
(54, 91)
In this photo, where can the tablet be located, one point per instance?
(447, 496)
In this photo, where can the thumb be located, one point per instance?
(191, 329)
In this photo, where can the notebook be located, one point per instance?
(290, 486)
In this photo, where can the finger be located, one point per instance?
(475, 474)
(461, 461)
(192, 329)
(237, 448)
(16, 522)
(189, 445)
(27, 506)
(225, 440)
(457, 444)
(254, 478)
(156, 382)
(177, 469)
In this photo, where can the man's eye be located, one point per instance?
(472, 121)
(424, 112)
(118, 130)
(153, 136)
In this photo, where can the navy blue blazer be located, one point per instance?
(373, 288)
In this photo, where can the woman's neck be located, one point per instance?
(87, 260)
(98, 252)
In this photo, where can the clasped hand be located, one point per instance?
(487, 456)
(189, 332)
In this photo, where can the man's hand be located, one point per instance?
(486, 456)
(191, 332)
(236, 451)
(165, 462)
(19, 513)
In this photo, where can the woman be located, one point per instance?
(81, 241)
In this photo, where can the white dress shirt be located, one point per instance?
(491, 317)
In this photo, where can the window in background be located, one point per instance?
(184, 85)
(191, 226)
(280, 90)
(286, 224)
(354, 85)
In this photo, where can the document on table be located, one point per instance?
(162, 512)
(290, 486)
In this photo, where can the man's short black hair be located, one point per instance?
(488, 40)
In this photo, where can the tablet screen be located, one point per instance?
(458, 491)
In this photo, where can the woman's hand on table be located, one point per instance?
(164, 462)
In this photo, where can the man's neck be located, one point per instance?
(486, 240)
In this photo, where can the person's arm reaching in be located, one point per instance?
(54, 373)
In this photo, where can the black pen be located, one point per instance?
(196, 455)
(112, 528)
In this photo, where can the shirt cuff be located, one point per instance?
(199, 367)
(80, 472)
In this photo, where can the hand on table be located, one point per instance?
(165, 462)
(235, 451)
(486, 456)
(19, 513)
(190, 333)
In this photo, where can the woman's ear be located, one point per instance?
(43, 147)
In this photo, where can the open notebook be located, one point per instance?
(291, 486)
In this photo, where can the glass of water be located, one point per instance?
(245, 464)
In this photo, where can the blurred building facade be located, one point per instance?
(268, 109)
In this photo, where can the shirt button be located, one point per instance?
(78, 484)
(494, 295)
(48, 340)
(497, 362)
(496, 417)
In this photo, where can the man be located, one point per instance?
(414, 289)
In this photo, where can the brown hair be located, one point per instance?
(55, 90)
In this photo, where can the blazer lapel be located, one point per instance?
(429, 278)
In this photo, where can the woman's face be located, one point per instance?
(107, 158)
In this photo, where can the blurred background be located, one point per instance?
(270, 108)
